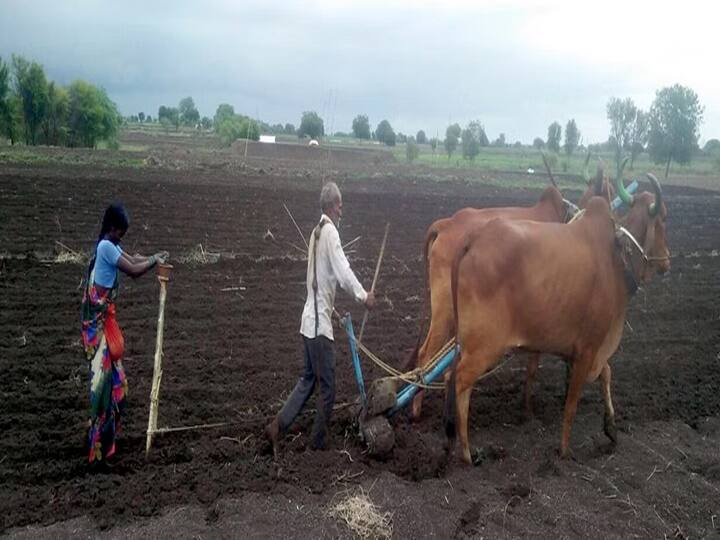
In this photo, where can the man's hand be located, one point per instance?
(370, 300)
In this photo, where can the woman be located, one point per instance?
(102, 338)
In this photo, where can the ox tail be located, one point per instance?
(430, 237)
(451, 398)
(451, 407)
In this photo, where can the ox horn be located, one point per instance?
(586, 172)
(547, 167)
(626, 197)
(655, 207)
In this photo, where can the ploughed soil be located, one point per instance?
(233, 353)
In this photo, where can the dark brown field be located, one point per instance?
(233, 352)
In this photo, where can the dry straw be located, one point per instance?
(362, 516)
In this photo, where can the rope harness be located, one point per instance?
(417, 376)
(316, 239)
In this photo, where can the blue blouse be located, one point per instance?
(106, 258)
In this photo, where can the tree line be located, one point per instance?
(35, 110)
(668, 132)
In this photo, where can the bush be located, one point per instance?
(411, 151)
(236, 127)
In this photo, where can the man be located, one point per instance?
(327, 266)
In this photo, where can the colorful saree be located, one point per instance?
(103, 342)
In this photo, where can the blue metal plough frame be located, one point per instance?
(406, 394)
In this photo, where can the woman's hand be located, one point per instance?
(162, 256)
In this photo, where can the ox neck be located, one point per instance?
(631, 250)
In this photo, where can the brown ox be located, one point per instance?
(552, 288)
(445, 236)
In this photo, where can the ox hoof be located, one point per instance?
(379, 436)
(610, 429)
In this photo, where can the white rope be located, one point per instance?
(577, 216)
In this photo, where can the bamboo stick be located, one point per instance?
(296, 226)
(351, 242)
(377, 272)
(157, 368)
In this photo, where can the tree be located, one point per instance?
(141, 117)
(433, 144)
(361, 127)
(206, 123)
(169, 116)
(31, 85)
(675, 118)
(54, 125)
(385, 133)
(6, 104)
(452, 134)
(411, 150)
(470, 144)
(402, 138)
(311, 125)
(712, 147)
(538, 143)
(223, 111)
(454, 129)
(638, 135)
(500, 141)
(621, 113)
(421, 138)
(572, 137)
(92, 117)
(553, 137)
(189, 115)
(289, 129)
(478, 132)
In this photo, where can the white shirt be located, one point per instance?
(332, 268)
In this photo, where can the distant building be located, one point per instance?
(313, 142)
(267, 139)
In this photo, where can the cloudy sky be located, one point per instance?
(516, 65)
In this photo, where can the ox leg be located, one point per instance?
(609, 420)
(463, 410)
(532, 367)
(468, 371)
(580, 367)
(568, 375)
(416, 406)
(437, 336)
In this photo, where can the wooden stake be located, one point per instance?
(157, 368)
(377, 272)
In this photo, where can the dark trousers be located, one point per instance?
(319, 370)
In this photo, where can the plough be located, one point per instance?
(389, 395)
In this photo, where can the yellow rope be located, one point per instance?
(412, 377)
(416, 375)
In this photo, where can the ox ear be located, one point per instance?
(655, 207)
(622, 192)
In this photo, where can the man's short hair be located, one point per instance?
(329, 195)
